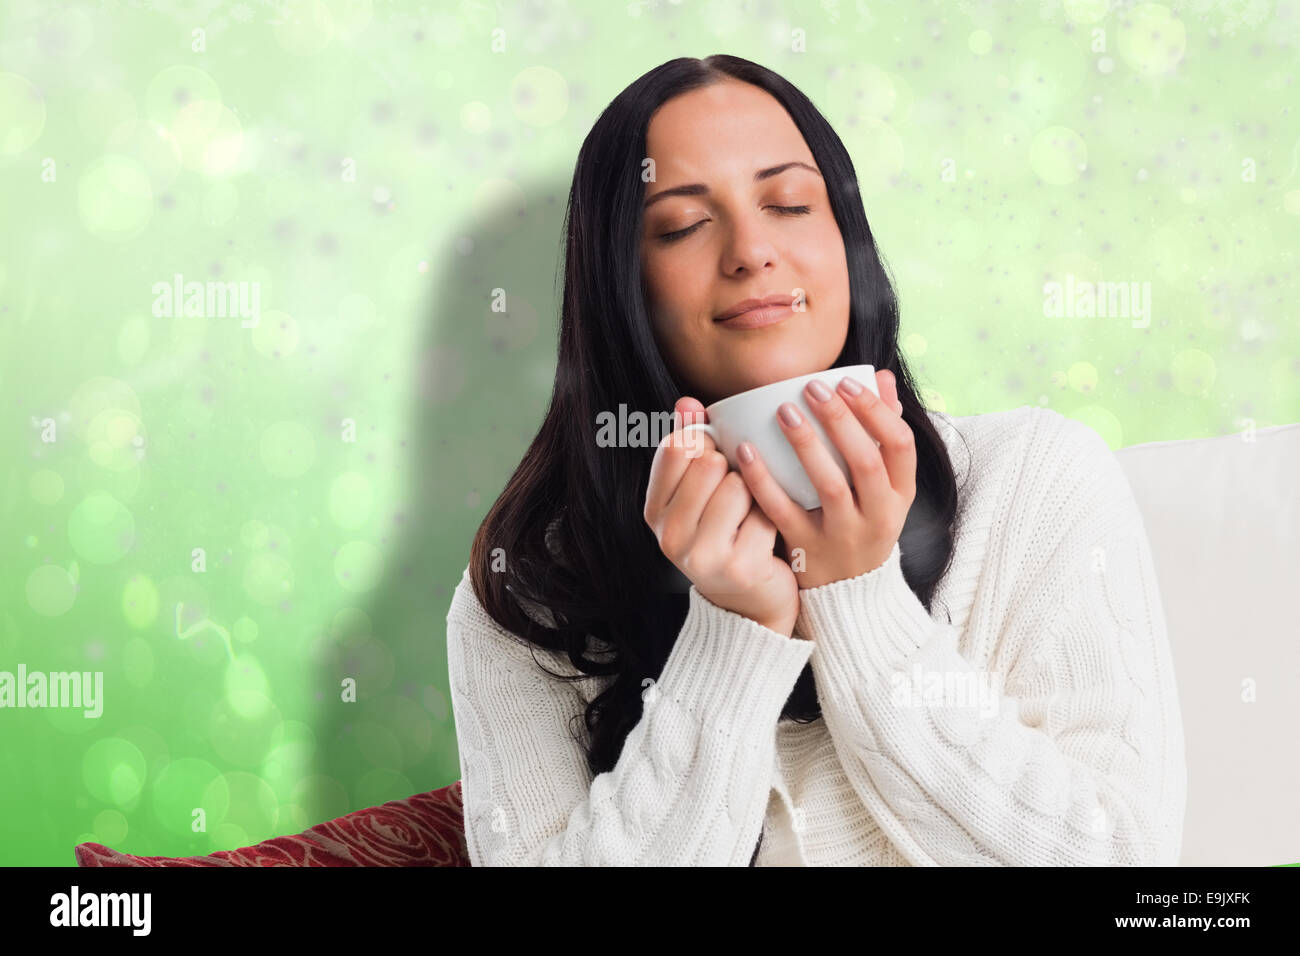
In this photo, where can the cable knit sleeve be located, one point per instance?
(1068, 748)
(692, 782)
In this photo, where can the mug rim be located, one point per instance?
(797, 378)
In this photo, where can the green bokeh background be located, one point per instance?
(229, 519)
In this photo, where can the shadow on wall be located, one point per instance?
(482, 380)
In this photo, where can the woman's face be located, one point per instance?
(743, 242)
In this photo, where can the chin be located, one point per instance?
(776, 371)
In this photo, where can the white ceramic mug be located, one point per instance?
(751, 416)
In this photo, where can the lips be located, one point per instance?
(749, 305)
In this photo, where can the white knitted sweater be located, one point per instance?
(1032, 719)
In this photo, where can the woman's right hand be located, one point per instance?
(709, 526)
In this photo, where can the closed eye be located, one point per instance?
(783, 210)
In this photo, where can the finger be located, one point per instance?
(786, 514)
(851, 439)
(689, 411)
(666, 470)
(723, 513)
(897, 443)
(832, 487)
(688, 500)
(756, 531)
(888, 383)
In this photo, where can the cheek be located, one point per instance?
(667, 309)
(829, 265)
(676, 287)
(649, 279)
(657, 276)
(829, 247)
(821, 263)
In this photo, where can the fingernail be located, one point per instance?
(819, 391)
(790, 415)
(852, 386)
(745, 452)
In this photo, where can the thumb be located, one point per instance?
(689, 411)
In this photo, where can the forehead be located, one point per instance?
(727, 128)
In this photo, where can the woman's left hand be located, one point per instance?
(857, 525)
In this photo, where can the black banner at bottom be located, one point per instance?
(334, 905)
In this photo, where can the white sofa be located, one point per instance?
(1223, 518)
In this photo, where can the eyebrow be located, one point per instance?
(699, 189)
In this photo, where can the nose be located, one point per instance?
(749, 245)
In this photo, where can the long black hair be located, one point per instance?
(570, 522)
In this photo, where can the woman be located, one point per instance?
(948, 676)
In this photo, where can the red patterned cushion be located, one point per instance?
(427, 829)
